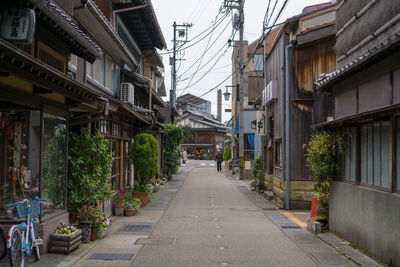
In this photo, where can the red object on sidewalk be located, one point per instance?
(313, 208)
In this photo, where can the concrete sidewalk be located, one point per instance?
(324, 248)
(126, 234)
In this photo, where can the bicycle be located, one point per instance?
(3, 244)
(24, 238)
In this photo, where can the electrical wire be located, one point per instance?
(270, 28)
(205, 51)
(216, 87)
(215, 24)
(200, 58)
(211, 68)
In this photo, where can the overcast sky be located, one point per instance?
(214, 64)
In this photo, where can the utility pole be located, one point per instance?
(241, 68)
(173, 79)
(238, 4)
(182, 38)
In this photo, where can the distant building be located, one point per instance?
(205, 133)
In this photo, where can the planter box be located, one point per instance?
(64, 244)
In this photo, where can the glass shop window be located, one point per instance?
(19, 156)
(349, 158)
(53, 163)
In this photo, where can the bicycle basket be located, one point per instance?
(21, 209)
(35, 208)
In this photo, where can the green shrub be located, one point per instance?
(144, 155)
(90, 163)
(173, 136)
(256, 168)
(322, 152)
(227, 153)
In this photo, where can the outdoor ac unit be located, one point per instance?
(127, 93)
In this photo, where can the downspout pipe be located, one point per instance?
(288, 75)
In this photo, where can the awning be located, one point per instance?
(250, 139)
(237, 125)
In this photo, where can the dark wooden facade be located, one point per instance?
(364, 197)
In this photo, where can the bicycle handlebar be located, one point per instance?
(41, 200)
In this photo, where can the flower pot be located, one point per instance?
(93, 234)
(85, 227)
(130, 212)
(101, 233)
(119, 203)
(143, 196)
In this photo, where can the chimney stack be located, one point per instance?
(219, 105)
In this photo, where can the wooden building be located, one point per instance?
(364, 200)
(301, 51)
(206, 132)
(68, 77)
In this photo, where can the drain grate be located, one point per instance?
(152, 208)
(268, 208)
(110, 256)
(290, 227)
(278, 217)
(142, 228)
(170, 190)
(155, 241)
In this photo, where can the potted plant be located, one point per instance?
(96, 218)
(142, 192)
(144, 155)
(120, 200)
(173, 136)
(102, 227)
(65, 239)
(131, 205)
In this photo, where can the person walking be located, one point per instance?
(219, 159)
(184, 156)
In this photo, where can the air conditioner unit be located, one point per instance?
(127, 93)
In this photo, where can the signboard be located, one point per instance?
(270, 92)
(18, 25)
(260, 122)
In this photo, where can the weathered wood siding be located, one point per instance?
(310, 62)
(274, 70)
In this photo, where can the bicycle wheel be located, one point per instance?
(3, 244)
(16, 254)
(35, 247)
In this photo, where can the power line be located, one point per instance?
(206, 50)
(216, 87)
(208, 71)
(215, 24)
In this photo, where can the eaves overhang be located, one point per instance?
(384, 49)
(54, 19)
(24, 66)
(142, 24)
(94, 21)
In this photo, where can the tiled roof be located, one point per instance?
(56, 14)
(386, 47)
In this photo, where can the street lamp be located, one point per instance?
(226, 94)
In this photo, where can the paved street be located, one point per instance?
(206, 218)
(211, 223)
